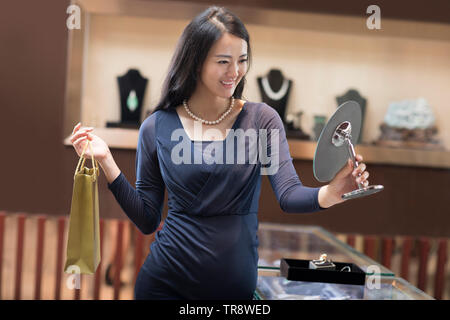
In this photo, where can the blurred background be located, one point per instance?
(60, 66)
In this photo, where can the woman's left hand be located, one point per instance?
(347, 179)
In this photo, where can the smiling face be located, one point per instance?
(225, 66)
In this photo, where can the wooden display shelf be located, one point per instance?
(304, 150)
(117, 138)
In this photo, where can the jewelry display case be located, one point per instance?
(309, 242)
(278, 241)
(271, 286)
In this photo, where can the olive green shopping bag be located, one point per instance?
(83, 243)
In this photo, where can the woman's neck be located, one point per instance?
(208, 106)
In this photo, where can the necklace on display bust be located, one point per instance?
(275, 95)
(206, 121)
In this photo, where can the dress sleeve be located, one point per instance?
(291, 194)
(143, 205)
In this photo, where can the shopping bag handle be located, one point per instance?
(82, 160)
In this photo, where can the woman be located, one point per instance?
(207, 248)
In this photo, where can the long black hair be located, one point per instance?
(191, 51)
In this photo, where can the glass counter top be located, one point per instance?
(271, 286)
(278, 241)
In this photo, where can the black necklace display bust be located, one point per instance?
(132, 87)
(354, 95)
(275, 90)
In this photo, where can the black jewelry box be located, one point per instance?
(298, 270)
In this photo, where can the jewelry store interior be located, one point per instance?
(308, 60)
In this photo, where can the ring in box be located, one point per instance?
(322, 263)
(344, 273)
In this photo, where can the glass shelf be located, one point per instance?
(271, 286)
(308, 243)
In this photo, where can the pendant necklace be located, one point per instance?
(132, 101)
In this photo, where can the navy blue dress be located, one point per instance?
(207, 248)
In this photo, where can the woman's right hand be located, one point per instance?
(79, 139)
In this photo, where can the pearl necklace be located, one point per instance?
(206, 121)
(275, 96)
